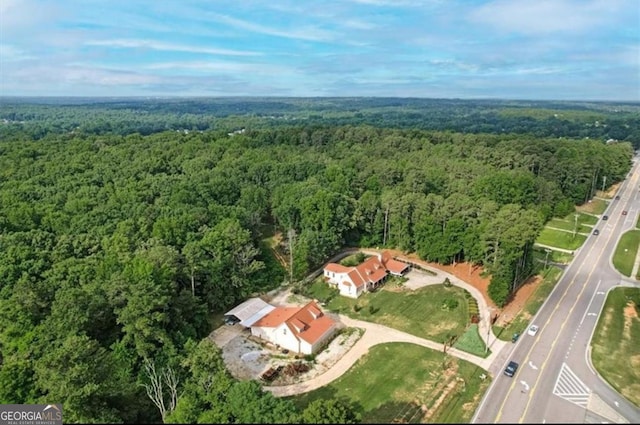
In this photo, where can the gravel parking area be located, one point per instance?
(247, 357)
(419, 279)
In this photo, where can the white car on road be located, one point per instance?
(533, 330)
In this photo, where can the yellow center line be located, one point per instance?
(528, 354)
(595, 263)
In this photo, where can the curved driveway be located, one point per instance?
(378, 334)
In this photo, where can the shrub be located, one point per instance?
(450, 304)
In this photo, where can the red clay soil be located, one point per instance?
(473, 276)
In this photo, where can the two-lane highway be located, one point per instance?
(555, 381)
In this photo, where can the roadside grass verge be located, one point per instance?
(594, 206)
(539, 255)
(521, 322)
(395, 380)
(434, 312)
(615, 346)
(583, 218)
(625, 253)
(560, 239)
(569, 225)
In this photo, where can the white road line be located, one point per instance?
(590, 301)
(569, 387)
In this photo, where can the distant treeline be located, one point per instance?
(36, 118)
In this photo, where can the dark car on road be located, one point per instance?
(605, 217)
(624, 212)
(511, 368)
(596, 232)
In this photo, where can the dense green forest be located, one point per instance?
(35, 118)
(119, 236)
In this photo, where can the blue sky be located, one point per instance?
(511, 49)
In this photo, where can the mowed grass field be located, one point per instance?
(560, 239)
(407, 383)
(569, 225)
(625, 253)
(539, 255)
(615, 347)
(594, 206)
(433, 312)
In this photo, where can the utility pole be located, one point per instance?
(488, 330)
(546, 263)
(575, 227)
(604, 180)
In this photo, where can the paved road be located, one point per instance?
(556, 381)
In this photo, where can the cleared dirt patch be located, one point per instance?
(246, 357)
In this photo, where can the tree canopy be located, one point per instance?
(117, 245)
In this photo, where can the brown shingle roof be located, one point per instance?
(316, 324)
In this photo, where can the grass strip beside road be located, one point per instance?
(615, 347)
(625, 254)
(594, 206)
(560, 239)
(521, 322)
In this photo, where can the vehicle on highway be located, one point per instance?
(624, 212)
(515, 337)
(596, 232)
(511, 368)
(533, 330)
(605, 217)
(617, 197)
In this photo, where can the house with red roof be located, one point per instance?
(366, 276)
(303, 330)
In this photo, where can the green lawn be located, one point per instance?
(433, 312)
(625, 254)
(521, 322)
(471, 342)
(594, 206)
(560, 239)
(615, 347)
(539, 254)
(393, 381)
(583, 218)
(569, 225)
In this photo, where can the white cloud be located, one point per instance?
(533, 17)
(395, 3)
(155, 45)
(9, 53)
(20, 16)
(359, 24)
(306, 33)
(218, 66)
